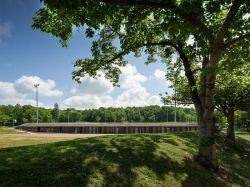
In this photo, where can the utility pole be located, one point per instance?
(36, 86)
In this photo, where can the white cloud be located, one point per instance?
(20, 90)
(94, 86)
(246, 16)
(25, 85)
(159, 74)
(8, 91)
(130, 78)
(154, 100)
(136, 97)
(134, 94)
(88, 101)
(190, 40)
(139, 97)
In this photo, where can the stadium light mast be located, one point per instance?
(36, 86)
(175, 101)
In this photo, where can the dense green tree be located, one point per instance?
(241, 118)
(4, 119)
(27, 114)
(233, 93)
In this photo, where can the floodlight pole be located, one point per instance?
(36, 86)
(175, 102)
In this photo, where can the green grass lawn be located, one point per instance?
(9, 137)
(5, 130)
(243, 134)
(124, 160)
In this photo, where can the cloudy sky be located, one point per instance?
(29, 56)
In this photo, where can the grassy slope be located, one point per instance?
(123, 160)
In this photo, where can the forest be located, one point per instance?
(15, 115)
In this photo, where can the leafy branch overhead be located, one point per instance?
(121, 27)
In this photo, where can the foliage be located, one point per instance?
(129, 114)
(4, 119)
(241, 118)
(233, 90)
(23, 114)
(221, 120)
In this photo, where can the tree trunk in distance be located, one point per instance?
(230, 129)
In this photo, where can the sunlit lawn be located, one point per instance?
(124, 160)
(9, 137)
(5, 130)
(243, 134)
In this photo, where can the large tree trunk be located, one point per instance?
(230, 129)
(207, 150)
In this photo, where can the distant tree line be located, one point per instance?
(15, 115)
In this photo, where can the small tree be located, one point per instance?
(233, 93)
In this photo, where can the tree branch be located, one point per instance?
(194, 21)
(189, 74)
(228, 21)
(238, 39)
(162, 43)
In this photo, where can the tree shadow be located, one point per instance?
(103, 161)
(234, 160)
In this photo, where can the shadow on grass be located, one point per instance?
(107, 161)
(235, 160)
(243, 132)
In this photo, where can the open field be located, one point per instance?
(10, 137)
(124, 160)
(5, 130)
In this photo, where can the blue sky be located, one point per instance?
(29, 56)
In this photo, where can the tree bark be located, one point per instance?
(230, 129)
(207, 150)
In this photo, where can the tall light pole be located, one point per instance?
(175, 101)
(36, 86)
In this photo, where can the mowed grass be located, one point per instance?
(243, 135)
(10, 137)
(124, 160)
(6, 130)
